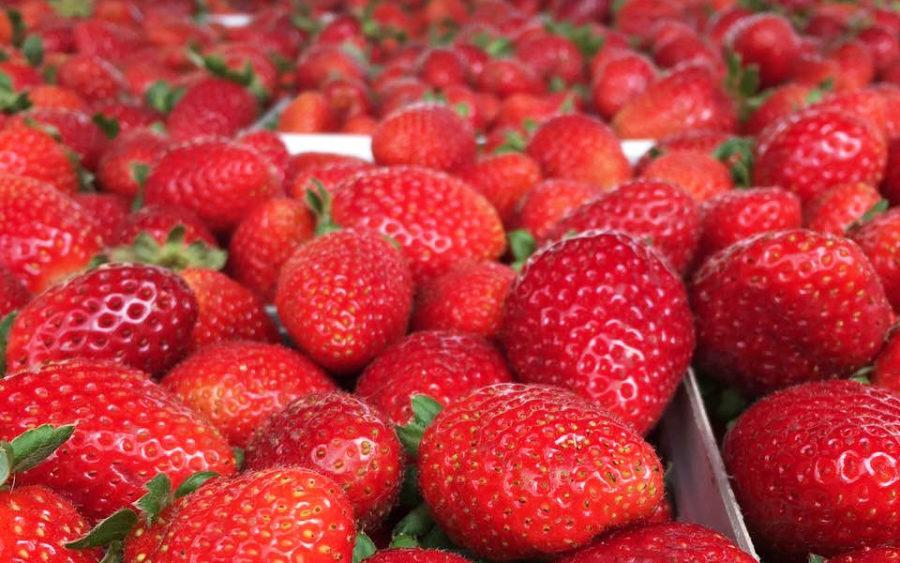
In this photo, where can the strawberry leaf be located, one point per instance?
(403, 541)
(72, 8)
(5, 325)
(157, 498)
(424, 410)
(741, 81)
(737, 154)
(162, 97)
(173, 253)
(880, 207)
(109, 125)
(813, 558)
(862, 375)
(114, 528)
(522, 245)
(417, 523)
(513, 141)
(18, 26)
(364, 548)
(33, 49)
(6, 456)
(194, 482)
(35, 445)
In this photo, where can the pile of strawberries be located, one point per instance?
(477, 333)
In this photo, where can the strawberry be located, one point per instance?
(437, 219)
(880, 240)
(699, 174)
(226, 310)
(107, 210)
(553, 57)
(550, 201)
(106, 39)
(344, 297)
(813, 150)
(812, 467)
(212, 106)
(882, 43)
(309, 112)
(443, 365)
(738, 214)
(781, 102)
(218, 180)
(868, 555)
(234, 519)
(158, 221)
(675, 541)
(518, 109)
(264, 240)
(486, 465)
(503, 179)
(52, 96)
(837, 208)
(341, 437)
(658, 212)
(687, 98)
(891, 185)
(127, 429)
(129, 115)
(507, 77)
(867, 104)
(117, 170)
(442, 67)
(269, 145)
(328, 174)
(886, 372)
(431, 135)
(578, 147)
(32, 152)
(787, 307)
(93, 78)
(44, 234)
(620, 79)
(12, 293)
(415, 555)
(320, 63)
(596, 312)
(767, 41)
(467, 298)
(237, 385)
(75, 130)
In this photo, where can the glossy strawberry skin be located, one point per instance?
(341, 437)
(550, 201)
(813, 150)
(787, 307)
(344, 297)
(813, 467)
(237, 385)
(837, 208)
(782, 102)
(127, 430)
(135, 315)
(620, 79)
(581, 284)
(107, 210)
(441, 364)
(768, 41)
(27, 150)
(429, 135)
(697, 173)
(868, 555)
(233, 518)
(12, 293)
(114, 170)
(485, 465)
(416, 555)
(880, 240)
(437, 219)
(158, 221)
(887, 364)
(675, 541)
(213, 106)
(503, 179)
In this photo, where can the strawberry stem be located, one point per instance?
(319, 202)
(30, 448)
(364, 548)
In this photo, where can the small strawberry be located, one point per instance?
(107, 210)
(509, 76)
(212, 106)
(30, 151)
(699, 174)
(813, 468)
(780, 103)
(837, 208)
(624, 76)
(431, 135)
(416, 555)
(550, 201)
(767, 41)
(12, 293)
(309, 112)
(503, 179)
(787, 307)
(53, 96)
(128, 115)
(237, 385)
(127, 158)
(880, 240)
(93, 78)
(489, 465)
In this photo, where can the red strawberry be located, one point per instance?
(237, 385)
(553, 57)
(868, 104)
(813, 150)
(518, 109)
(882, 43)
(488, 460)
(213, 106)
(699, 174)
(768, 41)
(551, 200)
(507, 77)
(416, 555)
(880, 240)
(329, 175)
(106, 39)
(307, 113)
(107, 210)
(93, 78)
(265, 239)
(891, 185)
(443, 365)
(12, 293)
(53, 96)
(158, 221)
(868, 555)
(284, 514)
(32, 152)
(344, 297)
(835, 209)
(599, 311)
(738, 214)
(116, 170)
(218, 180)
(813, 468)
(657, 212)
(20, 73)
(44, 234)
(431, 135)
(129, 115)
(887, 364)
(75, 130)
(675, 541)
(127, 430)
(620, 79)
(780, 103)
(309, 161)
(578, 147)
(503, 179)
(269, 145)
(467, 298)
(787, 307)
(437, 219)
(341, 437)
(442, 67)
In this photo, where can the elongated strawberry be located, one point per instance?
(136, 315)
(550, 201)
(880, 240)
(837, 208)
(430, 135)
(27, 150)
(213, 106)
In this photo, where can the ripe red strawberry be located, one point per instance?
(503, 179)
(287, 514)
(813, 468)
(128, 114)
(788, 307)
(528, 433)
(307, 113)
(674, 541)
(158, 221)
(882, 43)
(107, 210)
(887, 364)
(339, 436)
(507, 77)
(578, 147)
(880, 240)
(658, 212)
(20, 73)
(738, 214)
(442, 67)
(30, 151)
(218, 180)
(467, 298)
(553, 57)
(431, 135)
(624, 76)
(437, 219)
(213, 106)
(768, 41)
(136, 315)
(443, 365)
(238, 385)
(12, 293)
(868, 555)
(269, 145)
(598, 311)
(329, 175)
(835, 209)
(687, 98)
(74, 129)
(550, 201)
(116, 170)
(813, 150)
(93, 78)
(867, 104)
(226, 310)
(44, 234)
(53, 96)
(518, 109)
(782, 102)
(311, 161)
(127, 430)
(416, 555)
(344, 297)
(699, 174)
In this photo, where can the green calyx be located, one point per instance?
(513, 141)
(174, 253)
(737, 154)
(11, 101)
(108, 125)
(425, 409)
(521, 245)
(162, 97)
(319, 202)
(880, 207)
(363, 548)
(245, 77)
(72, 8)
(583, 37)
(30, 448)
(5, 326)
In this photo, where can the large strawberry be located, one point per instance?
(431, 135)
(880, 240)
(344, 297)
(836, 209)
(28, 150)
(602, 314)
(787, 307)
(341, 437)
(212, 106)
(550, 201)
(237, 385)
(127, 429)
(437, 219)
(814, 468)
(136, 315)
(491, 466)
(767, 41)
